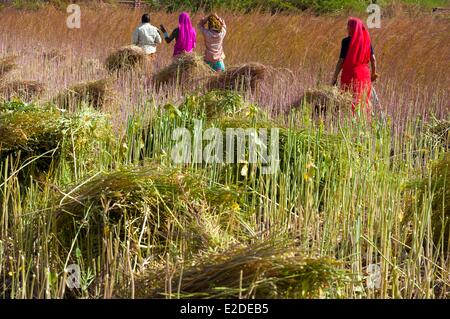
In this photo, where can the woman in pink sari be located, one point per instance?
(185, 35)
(356, 53)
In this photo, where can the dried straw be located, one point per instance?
(435, 187)
(27, 131)
(188, 69)
(326, 99)
(265, 270)
(7, 64)
(160, 194)
(23, 90)
(243, 77)
(54, 55)
(95, 93)
(126, 58)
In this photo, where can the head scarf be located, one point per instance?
(359, 49)
(187, 36)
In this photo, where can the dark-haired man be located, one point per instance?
(146, 36)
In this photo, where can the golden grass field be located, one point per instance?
(412, 49)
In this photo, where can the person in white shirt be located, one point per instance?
(146, 36)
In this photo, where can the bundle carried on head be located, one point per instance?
(7, 64)
(214, 23)
(326, 99)
(24, 90)
(187, 69)
(243, 77)
(95, 93)
(126, 58)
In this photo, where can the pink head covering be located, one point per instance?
(187, 36)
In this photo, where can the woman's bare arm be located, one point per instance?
(373, 63)
(339, 65)
(202, 22)
(171, 37)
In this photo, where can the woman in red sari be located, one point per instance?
(356, 53)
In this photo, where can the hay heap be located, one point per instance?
(29, 131)
(266, 270)
(94, 93)
(188, 69)
(54, 55)
(436, 183)
(159, 194)
(243, 77)
(27, 127)
(326, 99)
(23, 90)
(126, 58)
(7, 64)
(215, 104)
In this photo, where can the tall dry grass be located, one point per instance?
(412, 50)
(339, 195)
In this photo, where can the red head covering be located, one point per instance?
(359, 49)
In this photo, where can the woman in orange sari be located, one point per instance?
(356, 53)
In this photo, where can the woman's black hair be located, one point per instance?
(146, 18)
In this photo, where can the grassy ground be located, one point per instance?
(358, 209)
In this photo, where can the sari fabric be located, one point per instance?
(187, 36)
(356, 71)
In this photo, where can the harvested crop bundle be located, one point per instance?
(126, 58)
(90, 64)
(433, 192)
(215, 103)
(94, 93)
(7, 64)
(157, 194)
(326, 99)
(266, 270)
(23, 90)
(132, 189)
(28, 130)
(54, 55)
(48, 135)
(188, 69)
(243, 77)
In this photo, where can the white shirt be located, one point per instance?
(147, 37)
